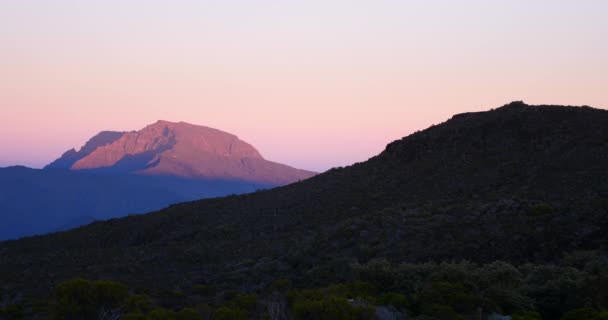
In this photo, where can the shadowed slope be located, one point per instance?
(40, 201)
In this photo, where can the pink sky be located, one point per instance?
(310, 84)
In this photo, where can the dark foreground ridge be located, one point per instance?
(522, 184)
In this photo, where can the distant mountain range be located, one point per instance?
(118, 173)
(519, 183)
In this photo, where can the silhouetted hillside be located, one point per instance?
(519, 183)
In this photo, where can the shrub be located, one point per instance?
(527, 315)
(138, 303)
(188, 314)
(281, 285)
(83, 299)
(585, 314)
(161, 314)
(541, 209)
(204, 290)
(394, 299)
(227, 313)
(329, 308)
(441, 312)
(133, 316)
(11, 311)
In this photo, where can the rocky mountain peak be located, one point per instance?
(180, 149)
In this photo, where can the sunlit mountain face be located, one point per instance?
(120, 173)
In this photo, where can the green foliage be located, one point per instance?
(161, 314)
(228, 313)
(133, 316)
(11, 311)
(244, 302)
(84, 299)
(138, 303)
(443, 294)
(576, 289)
(527, 315)
(394, 299)
(329, 308)
(585, 314)
(281, 285)
(541, 209)
(204, 290)
(500, 283)
(441, 312)
(188, 314)
(554, 290)
(352, 290)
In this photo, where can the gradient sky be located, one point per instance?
(313, 84)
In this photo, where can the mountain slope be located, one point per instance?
(71, 156)
(41, 201)
(519, 183)
(190, 151)
(119, 173)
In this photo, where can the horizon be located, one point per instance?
(312, 85)
(41, 166)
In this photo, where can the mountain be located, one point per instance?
(182, 150)
(120, 173)
(522, 184)
(72, 156)
(36, 201)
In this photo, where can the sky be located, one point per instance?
(312, 84)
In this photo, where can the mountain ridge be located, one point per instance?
(179, 149)
(519, 184)
(119, 173)
(71, 156)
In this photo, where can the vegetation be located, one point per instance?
(575, 289)
(499, 212)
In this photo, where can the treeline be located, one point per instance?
(379, 289)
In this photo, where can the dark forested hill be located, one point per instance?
(519, 183)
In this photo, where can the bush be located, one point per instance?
(161, 314)
(133, 316)
(204, 290)
(441, 312)
(138, 303)
(329, 308)
(281, 285)
(188, 314)
(227, 313)
(83, 299)
(11, 311)
(585, 314)
(396, 300)
(527, 315)
(447, 294)
(541, 209)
